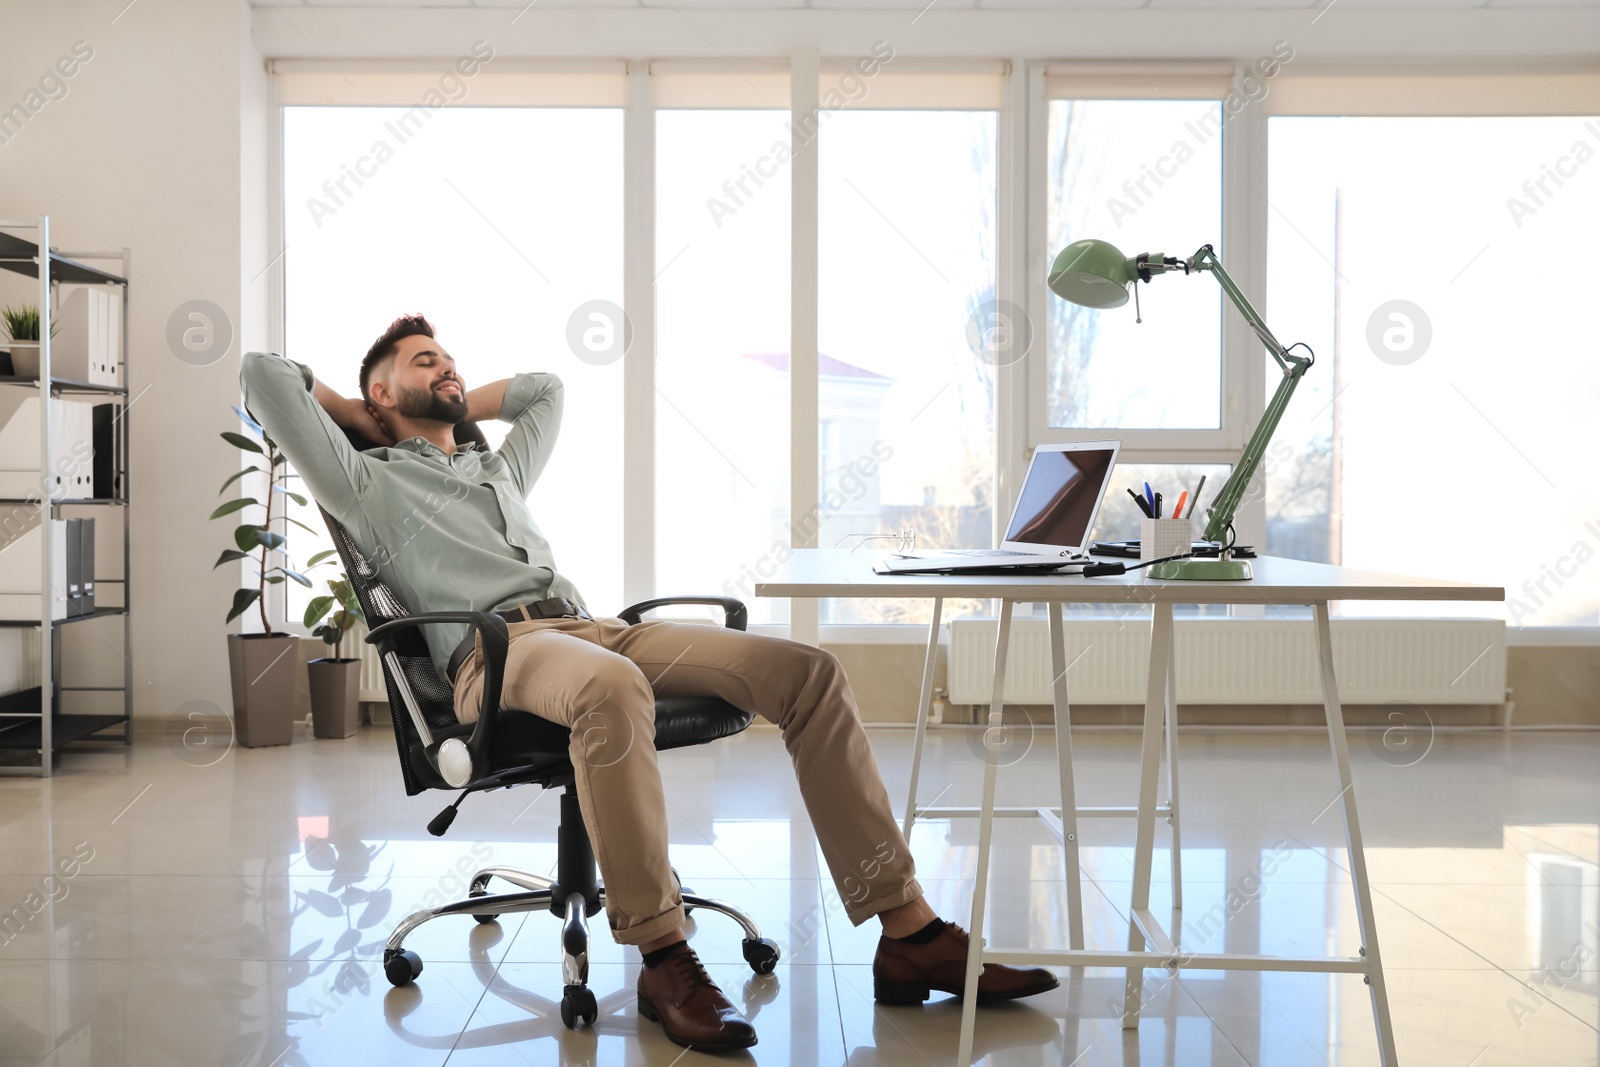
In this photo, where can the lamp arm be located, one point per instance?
(1294, 367)
(1206, 259)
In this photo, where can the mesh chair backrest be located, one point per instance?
(379, 604)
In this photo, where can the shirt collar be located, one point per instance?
(425, 447)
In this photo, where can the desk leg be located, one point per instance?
(1069, 795)
(1173, 818)
(1352, 837)
(1155, 704)
(923, 705)
(992, 745)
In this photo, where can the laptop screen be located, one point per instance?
(1061, 495)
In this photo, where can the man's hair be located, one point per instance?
(384, 346)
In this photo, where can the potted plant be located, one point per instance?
(22, 327)
(263, 665)
(335, 681)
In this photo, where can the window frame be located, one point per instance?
(1022, 204)
(1242, 391)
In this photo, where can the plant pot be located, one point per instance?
(335, 696)
(263, 669)
(24, 358)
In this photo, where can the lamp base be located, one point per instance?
(1203, 570)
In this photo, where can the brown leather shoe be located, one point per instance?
(906, 974)
(680, 995)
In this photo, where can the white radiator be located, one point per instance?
(372, 687)
(1240, 661)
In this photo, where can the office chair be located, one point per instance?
(497, 752)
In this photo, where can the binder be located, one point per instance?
(103, 429)
(71, 470)
(21, 543)
(88, 346)
(22, 473)
(80, 445)
(111, 369)
(86, 567)
(74, 551)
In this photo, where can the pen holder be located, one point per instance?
(1160, 538)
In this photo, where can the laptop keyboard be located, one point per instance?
(985, 552)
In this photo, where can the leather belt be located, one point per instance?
(556, 607)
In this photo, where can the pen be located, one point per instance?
(1158, 505)
(1177, 512)
(1149, 498)
(1197, 489)
(1139, 500)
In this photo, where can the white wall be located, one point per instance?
(144, 150)
(160, 145)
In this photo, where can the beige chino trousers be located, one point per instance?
(600, 677)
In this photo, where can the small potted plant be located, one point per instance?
(335, 680)
(22, 327)
(264, 666)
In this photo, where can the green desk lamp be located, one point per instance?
(1094, 274)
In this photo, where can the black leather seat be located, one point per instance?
(504, 750)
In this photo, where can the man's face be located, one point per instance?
(421, 382)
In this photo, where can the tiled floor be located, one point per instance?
(157, 912)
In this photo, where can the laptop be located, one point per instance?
(1060, 497)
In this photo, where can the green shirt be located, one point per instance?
(446, 532)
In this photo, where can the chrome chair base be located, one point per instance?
(538, 893)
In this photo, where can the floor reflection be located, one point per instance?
(237, 913)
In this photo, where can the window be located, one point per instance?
(722, 353)
(468, 223)
(1145, 175)
(907, 236)
(1449, 390)
(1445, 429)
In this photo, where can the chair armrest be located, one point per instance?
(496, 640)
(735, 614)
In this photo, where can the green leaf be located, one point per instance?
(302, 526)
(244, 417)
(239, 440)
(296, 497)
(249, 537)
(235, 478)
(320, 557)
(228, 556)
(233, 505)
(317, 609)
(273, 579)
(280, 459)
(242, 599)
(297, 576)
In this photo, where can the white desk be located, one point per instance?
(833, 573)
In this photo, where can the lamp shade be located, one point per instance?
(1092, 273)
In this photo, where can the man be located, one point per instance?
(450, 530)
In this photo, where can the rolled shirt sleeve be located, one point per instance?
(277, 394)
(533, 405)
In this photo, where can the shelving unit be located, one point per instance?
(32, 719)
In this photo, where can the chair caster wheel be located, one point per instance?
(688, 909)
(401, 968)
(482, 918)
(761, 955)
(577, 1004)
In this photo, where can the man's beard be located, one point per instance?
(432, 405)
